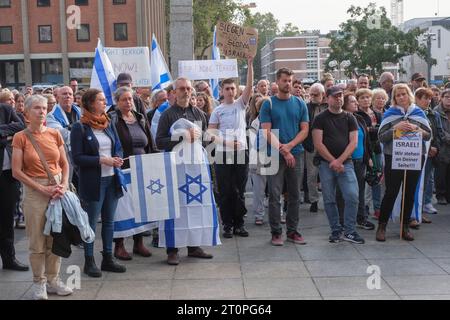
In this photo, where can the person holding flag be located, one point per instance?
(405, 116)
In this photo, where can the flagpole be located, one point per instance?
(403, 206)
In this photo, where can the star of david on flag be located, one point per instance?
(186, 189)
(155, 186)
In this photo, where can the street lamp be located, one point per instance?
(428, 37)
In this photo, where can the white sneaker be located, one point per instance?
(39, 291)
(428, 208)
(59, 288)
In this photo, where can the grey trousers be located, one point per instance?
(312, 176)
(259, 187)
(293, 178)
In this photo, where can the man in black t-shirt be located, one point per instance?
(335, 136)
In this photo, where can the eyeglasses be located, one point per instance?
(446, 97)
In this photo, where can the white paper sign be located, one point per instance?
(208, 69)
(407, 151)
(135, 61)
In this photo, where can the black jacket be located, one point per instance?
(373, 130)
(125, 137)
(70, 235)
(10, 124)
(367, 145)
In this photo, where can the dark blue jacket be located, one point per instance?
(85, 155)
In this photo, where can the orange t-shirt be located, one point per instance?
(49, 141)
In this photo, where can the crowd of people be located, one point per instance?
(330, 137)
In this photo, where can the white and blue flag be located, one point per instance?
(103, 77)
(154, 187)
(161, 77)
(156, 118)
(215, 56)
(125, 224)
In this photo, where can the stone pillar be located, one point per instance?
(101, 22)
(26, 44)
(181, 33)
(64, 44)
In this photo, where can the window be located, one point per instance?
(83, 33)
(311, 42)
(311, 53)
(5, 3)
(81, 2)
(6, 36)
(120, 32)
(311, 64)
(45, 34)
(43, 3)
(119, 1)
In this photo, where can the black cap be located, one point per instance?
(334, 90)
(124, 78)
(418, 76)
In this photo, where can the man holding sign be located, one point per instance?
(403, 133)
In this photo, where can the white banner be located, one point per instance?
(407, 151)
(135, 61)
(208, 69)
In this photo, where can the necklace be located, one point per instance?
(129, 119)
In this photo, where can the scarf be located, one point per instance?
(414, 113)
(100, 122)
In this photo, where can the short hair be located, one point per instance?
(49, 96)
(284, 71)
(180, 79)
(347, 96)
(318, 86)
(444, 92)
(31, 100)
(18, 96)
(73, 79)
(89, 98)
(297, 81)
(121, 91)
(155, 95)
(422, 92)
(198, 84)
(362, 75)
(385, 76)
(5, 95)
(402, 86)
(362, 92)
(228, 81)
(379, 92)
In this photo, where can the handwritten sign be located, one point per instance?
(407, 151)
(208, 69)
(235, 41)
(135, 61)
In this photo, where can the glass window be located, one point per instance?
(6, 36)
(45, 34)
(43, 3)
(120, 32)
(83, 33)
(5, 3)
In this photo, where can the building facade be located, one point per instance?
(42, 42)
(305, 55)
(438, 30)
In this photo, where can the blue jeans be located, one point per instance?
(106, 206)
(348, 184)
(429, 183)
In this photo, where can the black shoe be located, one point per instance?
(306, 199)
(90, 268)
(147, 233)
(354, 238)
(108, 264)
(241, 232)
(15, 265)
(336, 237)
(227, 233)
(366, 225)
(314, 207)
(442, 201)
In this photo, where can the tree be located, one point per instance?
(290, 30)
(368, 39)
(206, 15)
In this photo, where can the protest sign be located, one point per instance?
(208, 69)
(135, 61)
(407, 151)
(235, 41)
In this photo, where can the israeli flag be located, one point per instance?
(161, 77)
(103, 77)
(198, 224)
(154, 187)
(215, 56)
(156, 118)
(125, 224)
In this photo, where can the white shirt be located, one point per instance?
(230, 119)
(105, 146)
(6, 162)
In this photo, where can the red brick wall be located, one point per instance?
(12, 17)
(44, 16)
(120, 14)
(89, 15)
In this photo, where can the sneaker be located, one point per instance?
(227, 233)
(428, 208)
(277, 240)
(59, 288)
(336, 237)
(442, 201)
(354, 238)
(39, 291)
(314, 207)
(241, 232)
(366, 225)
(259, 222)
(296, 238)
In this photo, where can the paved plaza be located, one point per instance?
(250, 268)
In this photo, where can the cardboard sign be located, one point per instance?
(407, 151)
(135, 61)
(235, 41)
(208, 69)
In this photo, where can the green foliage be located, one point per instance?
(368, 39)
(290, 30)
